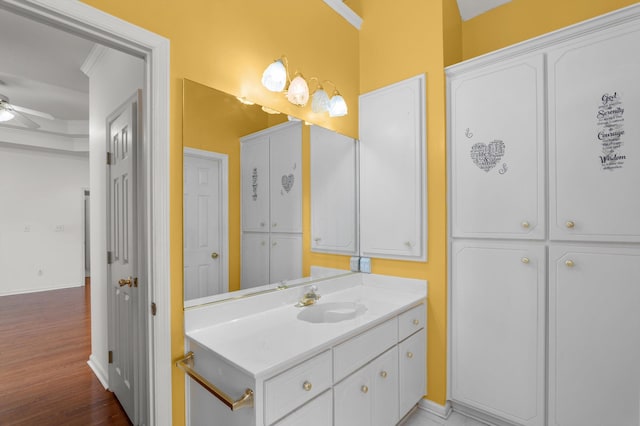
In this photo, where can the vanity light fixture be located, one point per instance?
(244, 100)
(276, 76)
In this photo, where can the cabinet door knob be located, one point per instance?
(214, 255)
(525, 225)
(383, 374)
(364, 389)
(570, 224)
(275, 243)
(525, 260)
(416, 322)
(275, 224)
(306, 386)
(317, 239)
(409, 354)
(262, 224)
(569, 263)
(262, 243)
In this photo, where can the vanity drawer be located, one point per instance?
(411, 321)
(289, 390)
(357, 351)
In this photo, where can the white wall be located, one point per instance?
(113, 78)
(41, 219)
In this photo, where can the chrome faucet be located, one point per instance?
(310, 297)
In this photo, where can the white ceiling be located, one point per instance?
(472, 8)
(40, 68)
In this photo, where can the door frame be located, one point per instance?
(223, 160)
(153, 170)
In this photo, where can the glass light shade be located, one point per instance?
(5, 115)
(320, 101)
(337, 106)
(298, 93)
(274, 78)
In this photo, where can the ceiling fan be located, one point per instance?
(17, 113)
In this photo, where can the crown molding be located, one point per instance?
(346, 12)
(96, 53)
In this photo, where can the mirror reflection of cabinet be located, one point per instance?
(271, 164)
(334, 214)
(393, 214)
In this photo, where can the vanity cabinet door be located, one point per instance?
(497, 148)
(255, 184)
(594, 103)
(285, 157)
(285, 259)
(393, 171)
(370, 395)
(255, 259)
(498, 329)
(333, 192)
(318, 412)
(594, 343)
(412, 354)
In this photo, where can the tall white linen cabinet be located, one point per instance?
(544, 229)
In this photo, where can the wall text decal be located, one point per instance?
(611, 129)
(487, 156)
(254, 184)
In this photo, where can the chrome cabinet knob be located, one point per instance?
(525, 260)
(307, 386)
(570, 224)
(364, 389)
(525, 224)
(569, 263)
(383, 374)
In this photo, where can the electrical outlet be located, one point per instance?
(365, 265)
(355, 264)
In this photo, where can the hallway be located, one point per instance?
(45, 343)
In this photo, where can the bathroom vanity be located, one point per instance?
(355, 356)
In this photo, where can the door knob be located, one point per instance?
(214, 255)
(122, 282)
(570, 224)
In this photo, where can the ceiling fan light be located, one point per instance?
(274, 77)
(337, 106)
(298, 93)
(320, 101)
(6, 115)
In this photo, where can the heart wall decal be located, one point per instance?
(287, 182)
(487, 156)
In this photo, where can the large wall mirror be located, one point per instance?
(269, 201)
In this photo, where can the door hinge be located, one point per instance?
(108, 158)
(154, 309)
(109, 258)
(110, 357)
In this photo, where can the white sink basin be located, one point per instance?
(331, 312)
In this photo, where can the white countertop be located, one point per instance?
(265, 341)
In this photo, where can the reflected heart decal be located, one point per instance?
(287, 182)
(487, 156)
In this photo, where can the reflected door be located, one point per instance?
(203, 254)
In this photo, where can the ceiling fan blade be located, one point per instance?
(21, 119)
(33, 112)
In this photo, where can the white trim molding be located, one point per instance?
(98, 371)
(105, 29)
(442, 411)
(346, 12)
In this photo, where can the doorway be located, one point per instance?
(89, 23)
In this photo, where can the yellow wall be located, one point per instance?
(521, 20)
(400, 39)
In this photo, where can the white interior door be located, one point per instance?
(124, 318)
(205, 252)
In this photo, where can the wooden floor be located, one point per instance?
(44, 377)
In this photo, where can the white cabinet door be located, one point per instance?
(255, 259)
(333, 192)
(497, 139)
(594, 105)
(255, 184)
(285, 156)
(412, 354)
(352, 400)
(594, 336)
(384, 371)
(498, 329)
(316, 413)
(393, 211)
(286, 257)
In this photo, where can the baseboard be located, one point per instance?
(38, 290)
(442, 411)
(479, 415)
(102, 375)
